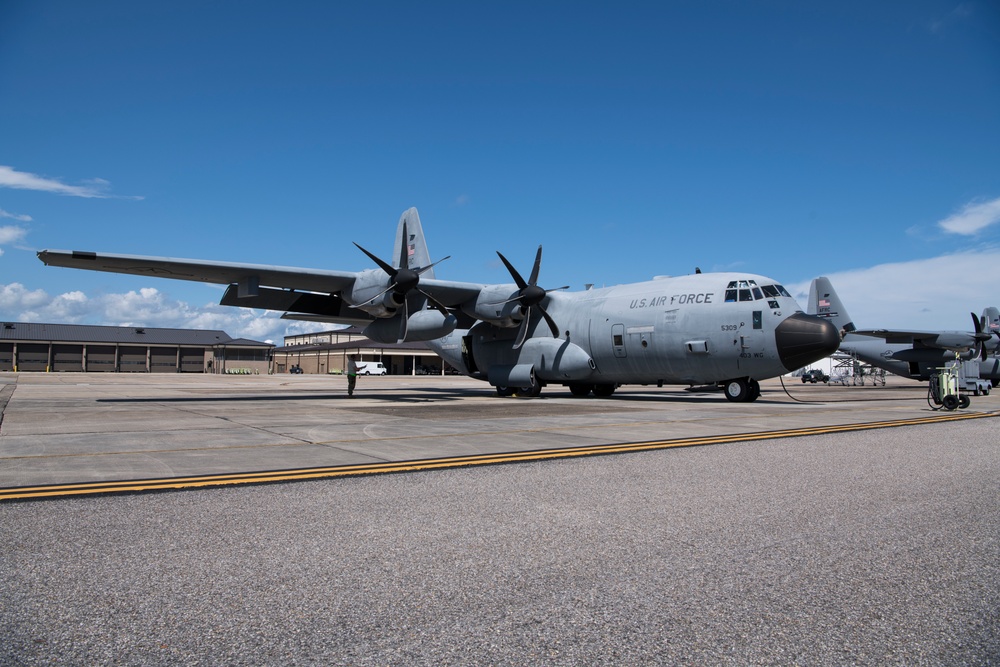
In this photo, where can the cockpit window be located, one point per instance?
(747, 290)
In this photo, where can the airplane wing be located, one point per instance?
(221, 273)
(947, 340)
(316, 292)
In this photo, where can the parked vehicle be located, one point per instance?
(815, 375)
(371, 368)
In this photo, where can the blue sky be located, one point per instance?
(791, 139)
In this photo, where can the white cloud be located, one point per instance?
(22, 180)
(927, 294)
(973, 218)
(14, 216)
(11, 234)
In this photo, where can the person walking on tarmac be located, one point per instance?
(352, 375)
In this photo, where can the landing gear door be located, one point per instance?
(618, 340)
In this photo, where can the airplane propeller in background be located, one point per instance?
(983, 336)
(529, 295)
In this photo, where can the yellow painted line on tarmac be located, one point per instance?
(174, 483)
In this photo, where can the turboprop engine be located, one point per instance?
(421, 325)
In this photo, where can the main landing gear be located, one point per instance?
(742, 390)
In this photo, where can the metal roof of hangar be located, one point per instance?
(89, 333)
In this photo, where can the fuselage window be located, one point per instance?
(730, 296)
(746, 295)
(757, 294)
(771, 291)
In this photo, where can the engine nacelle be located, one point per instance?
(368, 294)
(489, 307)
(422, 325)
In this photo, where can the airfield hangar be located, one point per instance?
(32, 347)
(80, 347)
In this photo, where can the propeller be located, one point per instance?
(404, 280)
(529, 295)
(983, 336)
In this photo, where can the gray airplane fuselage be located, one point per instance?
(680, 330)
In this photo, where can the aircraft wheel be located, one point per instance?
(504, 391)
(604, 390)
(738, 390)
(964, 402)
(753, 389)
(986, 390)
(950, 402)
(578, 389)
(530, 392)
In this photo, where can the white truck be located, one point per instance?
(371, 368)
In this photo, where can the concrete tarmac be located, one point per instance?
(860, 547)
(74, 428)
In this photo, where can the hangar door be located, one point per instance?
(132, 359)
(33, 356)
(6, 356)
(101, 358)
(163, 360)
(67, 357)
(192, 360)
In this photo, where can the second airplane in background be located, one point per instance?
(911, 354)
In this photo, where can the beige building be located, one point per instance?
(326, 352)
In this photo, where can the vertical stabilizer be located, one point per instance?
(416, 246)
(824, 302)
(991, 320)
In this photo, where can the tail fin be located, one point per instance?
(991, 320)
(824, 302)
(416, 246)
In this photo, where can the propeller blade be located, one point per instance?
(434, 302)
(382, 265)
(387, 289)
(404, 247)
(404, 319)
(513, 272)
(516, 297)
(548, 320)
(533, 280)
(522, 331)
(979, 350)
(431, 266)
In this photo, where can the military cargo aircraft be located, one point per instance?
(726, 329)
(911, 354)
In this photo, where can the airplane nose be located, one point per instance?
(803, 339)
